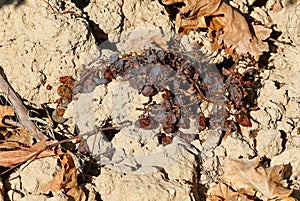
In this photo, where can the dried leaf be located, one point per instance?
(221, 192)
(247, 177)
(261, 32)
(277, 7)
(65, 180)
(22, 154)
(289, 199)
(160, 42)
(229, 28)
(5, 111)
(14, 138)
(185, 25)
(77, 193)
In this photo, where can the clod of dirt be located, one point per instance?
(288, 20)
(290, 157)
(235, 146)
(172, 183)
(269, 143)
(114, 16)
(107, 14)
(31, 177)
(145, 14)
(43, 198)
(45, 46)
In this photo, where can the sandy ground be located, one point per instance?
(39, 44)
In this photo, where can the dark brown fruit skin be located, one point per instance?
(168, 128)
(48, 87)
(148, 90)
(164, 139)
(171, 118)
(166, 104)
(146, 123)
(242, 119)
(64, 91)
(167, 140)
(202, 122)
(68, 81)
(108, 75)
(167, 94)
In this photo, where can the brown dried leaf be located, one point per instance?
(77, 193)
(221, 192)
(5, 111)
(160, 42)
(22, 154)
(261, 32)
(289, 199)
(185, 25)
(14, 138)
(277, 7)
(247, 177)
(229, 28)
(66, 180)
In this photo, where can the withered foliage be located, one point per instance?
(5, 111)
(12, 138)
(20, 154)
(66, 180)
(222, 192)
(243, 179)
(241, 91)
(65, 92)
(229, 29)
(176, 79)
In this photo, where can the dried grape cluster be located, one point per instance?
(65, 93)
(183, 83)
(242, 96)
(157, 73)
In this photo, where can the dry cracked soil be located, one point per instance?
(42, 40)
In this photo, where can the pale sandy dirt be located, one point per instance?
(37, 46)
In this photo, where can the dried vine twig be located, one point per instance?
(20, 109)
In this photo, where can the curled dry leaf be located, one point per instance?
(66, 180)
(247, 177)
(221, 192)
(5, 111)
(22, 154)
(289, 199)
(160, 42)
(229, 28)
(14, 138)
(277, 7)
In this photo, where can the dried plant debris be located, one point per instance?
(182, 87)
(174, 79)
(65, 92)
(66, 180)
(241, 93)
(14, 137)
(245, 179)
(5, 111)
(229, 29)
(16, 155)
(222, 192)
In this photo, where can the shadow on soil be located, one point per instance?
(17, 3)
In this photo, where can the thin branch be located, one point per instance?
(20, 109)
